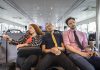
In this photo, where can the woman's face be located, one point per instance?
(31, 30)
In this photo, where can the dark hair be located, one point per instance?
(37, 29)
(69, 19)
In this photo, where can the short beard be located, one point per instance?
(74, 27)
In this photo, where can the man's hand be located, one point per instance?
(61, 48)
(86, 54)
(56, 51)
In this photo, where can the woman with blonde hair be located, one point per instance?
(32, 38)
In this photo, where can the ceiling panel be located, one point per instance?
(9, 13)
(84, 11)
(42, 11)
(45, 10)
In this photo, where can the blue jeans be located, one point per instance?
(81, 62)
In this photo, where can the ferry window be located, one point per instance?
(79, 28)
(22, 28)
(0, 29)
(4, 27)
(11, 26)
(84, 28)
(16, 27)
(92, 27)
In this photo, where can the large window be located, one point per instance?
(84, 28)
(4, 27)
(92, 27)
(88, 28)
(79, 28)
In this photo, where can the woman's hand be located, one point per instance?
(22, 45)
(6, 37)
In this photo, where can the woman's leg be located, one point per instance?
(29, 62)
(20, 61)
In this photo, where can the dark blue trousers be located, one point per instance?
(81, 62)
(62, 60)
(95, 61)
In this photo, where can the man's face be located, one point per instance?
(72, 24)
(49, 27)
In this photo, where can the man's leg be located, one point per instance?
(81, 62)
(65, 62)
(95, 61)
(45, 62)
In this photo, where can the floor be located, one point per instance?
(5, 67)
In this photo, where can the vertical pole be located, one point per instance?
(98, 23)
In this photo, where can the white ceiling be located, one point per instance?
(42, 11)
(84, 11)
